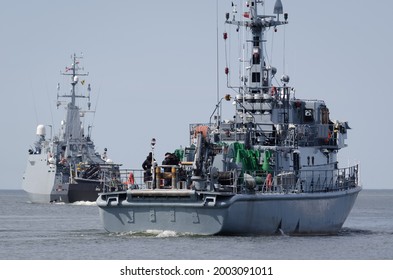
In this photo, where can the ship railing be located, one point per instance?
(132, 178)
(305, 181)
(304, 135)
(309, 181)
(293, 135)
(165, 177)
(122, 180)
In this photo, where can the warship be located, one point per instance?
(271, 169)
(66, 167)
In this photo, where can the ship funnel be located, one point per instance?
(278, 9)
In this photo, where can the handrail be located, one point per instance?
(289, 181)
(310, 181)
(298, 135)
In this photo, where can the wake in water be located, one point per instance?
(84, 203)
(282, 233)
(352, 231)
(154, 234)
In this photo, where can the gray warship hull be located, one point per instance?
(241, 214)
(68, 194)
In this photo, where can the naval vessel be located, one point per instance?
(66, 167)
(271, 169)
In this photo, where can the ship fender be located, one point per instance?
(130, 183)
(269, 181)
(273, 91)
(131, 179)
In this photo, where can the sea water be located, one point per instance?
(74, 232)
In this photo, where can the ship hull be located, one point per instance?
(240, 214)
(43, 184)
(69, 193)
(39, 179)
(84, 191)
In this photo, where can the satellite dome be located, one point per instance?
(41, 130)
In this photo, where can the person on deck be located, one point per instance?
(170, 159)
(146, 165)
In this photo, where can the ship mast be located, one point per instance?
(259, 72)
(72, 127)
(75, 67)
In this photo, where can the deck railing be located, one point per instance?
(306, 181)
(309, 181)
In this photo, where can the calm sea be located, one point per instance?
(74, 232)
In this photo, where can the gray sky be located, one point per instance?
(152, 68)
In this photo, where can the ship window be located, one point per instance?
(256, 41)
(308, 115)
(325, 115)
(256, 77)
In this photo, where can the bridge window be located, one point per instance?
(256, 77)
